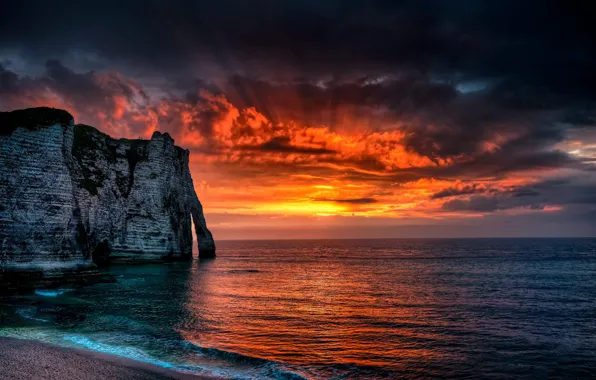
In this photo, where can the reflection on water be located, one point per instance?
(342, 309)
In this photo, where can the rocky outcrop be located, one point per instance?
(72, 197)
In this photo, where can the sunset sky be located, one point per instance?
(336, 119)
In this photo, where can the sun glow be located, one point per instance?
(249, 162)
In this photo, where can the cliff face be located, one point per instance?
(71, 196)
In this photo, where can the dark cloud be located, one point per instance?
(463, 190)
(88, 87)
(563, 191)
(476, 203)
(318, 103)
(94, 98)
(282, 144)
(537, 55)
(536, 196)
(531, 39)
(9, 81)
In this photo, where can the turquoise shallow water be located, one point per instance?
(475, 308)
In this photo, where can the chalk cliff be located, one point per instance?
(72, 197)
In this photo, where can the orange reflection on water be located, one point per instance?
(306, 312)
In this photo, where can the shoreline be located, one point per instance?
(22, 359)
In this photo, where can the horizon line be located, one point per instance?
(419, 238)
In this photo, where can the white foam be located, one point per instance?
(51, 293)
(126, 352)
(29, 314)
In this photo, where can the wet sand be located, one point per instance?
(28, 359)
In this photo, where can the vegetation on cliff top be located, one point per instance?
(32, 119)
(89, 141)
(85, 144)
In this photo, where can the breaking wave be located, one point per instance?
(257, 369)
(51, 292)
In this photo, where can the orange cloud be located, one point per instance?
(245, 163)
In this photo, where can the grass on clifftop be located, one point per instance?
(83, 148)
(32, 118)
(89, 142)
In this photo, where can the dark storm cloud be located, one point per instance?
(12, 85)
(311, 102)
(315, 62)
(90, 93)
(454, 191)
(553, 192)
(491, 203)
(476, 203)
(9, 81)
(530, 44)
(86, 87)
(508, 38)
(66, 82)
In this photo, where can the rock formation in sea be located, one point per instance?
(72, 197)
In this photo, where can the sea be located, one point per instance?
(340, 309)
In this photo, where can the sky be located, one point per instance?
(337, 118)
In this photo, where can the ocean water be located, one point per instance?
(341, 309)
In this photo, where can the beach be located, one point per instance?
(28, 359)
